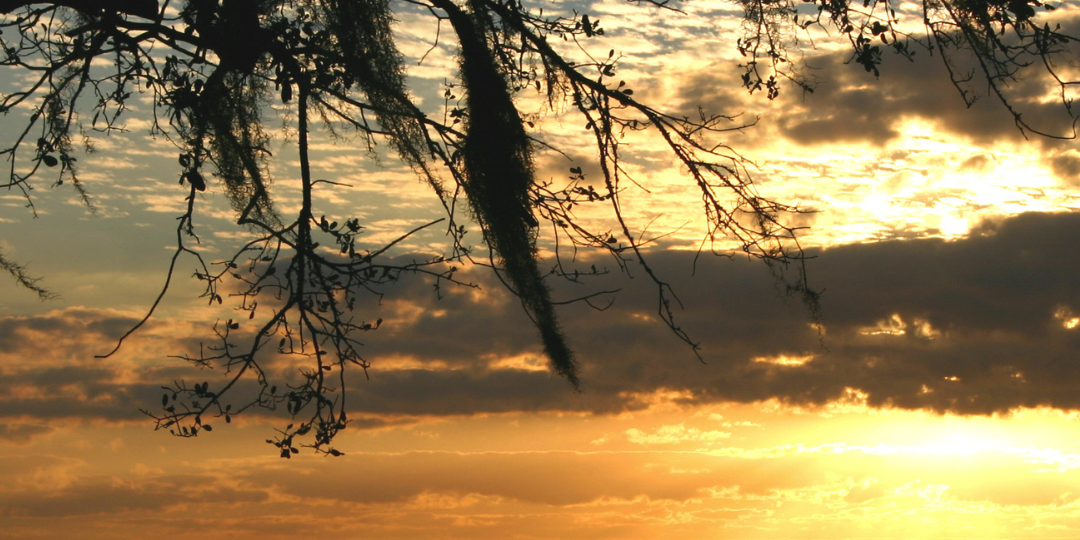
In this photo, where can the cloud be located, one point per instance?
(1067, 167)
(49, 369)
(980, 162)
(851, 106)
(89, 495)
(971, 326)
(677, 433)
(550, 478)
(461, 493)
(570, 478)
(974, 326)
(22, 433)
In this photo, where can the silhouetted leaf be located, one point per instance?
(196, 180)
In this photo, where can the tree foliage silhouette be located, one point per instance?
(213, 66)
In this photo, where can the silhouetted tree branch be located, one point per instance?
(212, 66)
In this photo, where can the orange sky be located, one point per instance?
(936, 397)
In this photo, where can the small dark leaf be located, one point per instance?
(196, 180)
(50, 161)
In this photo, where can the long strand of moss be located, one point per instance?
(498, 163)
(366, 41)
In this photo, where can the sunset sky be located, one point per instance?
(936, 396)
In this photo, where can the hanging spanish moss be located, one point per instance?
(499, 169)
(226, 110)
(372, 61)
(229, 116)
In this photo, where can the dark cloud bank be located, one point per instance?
(850, 105)
(983, 321)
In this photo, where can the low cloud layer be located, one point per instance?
(975, 326)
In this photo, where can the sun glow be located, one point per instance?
(785, 360)
(1066, 317)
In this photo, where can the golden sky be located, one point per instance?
(936, 397)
